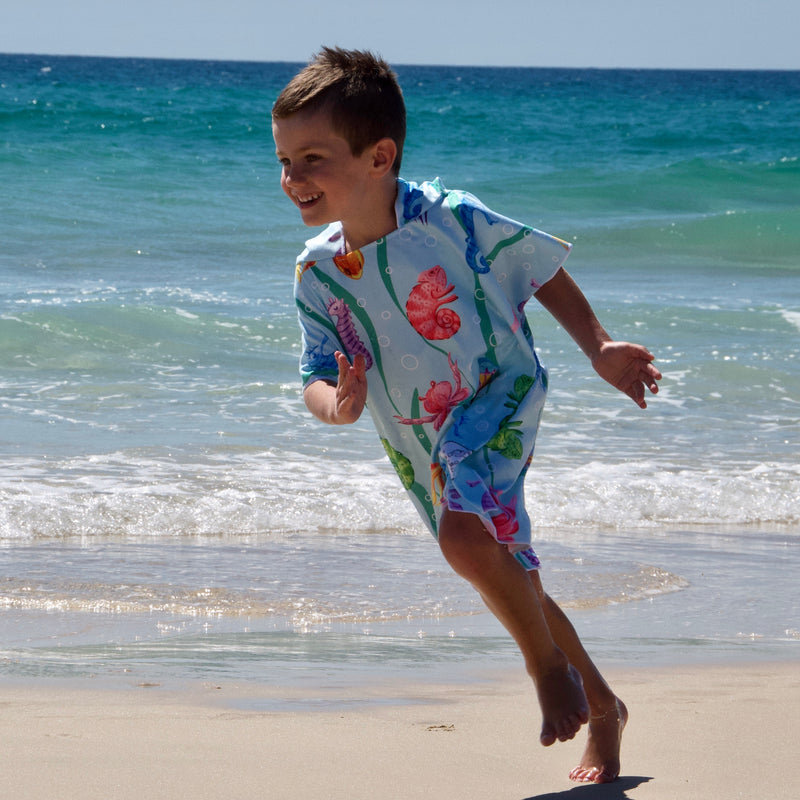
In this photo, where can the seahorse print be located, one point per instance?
(424, 305)
(346, 330)
(412, 204)
(464, 209)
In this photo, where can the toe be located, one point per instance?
(577, 774)
(547, 736)
(592, 775)
(584, 775)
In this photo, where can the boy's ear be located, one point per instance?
(384, 152)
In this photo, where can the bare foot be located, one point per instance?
(600, 762)
(563, 703)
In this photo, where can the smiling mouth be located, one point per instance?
(308, 200)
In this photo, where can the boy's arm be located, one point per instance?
(339, 403)
(627, 367)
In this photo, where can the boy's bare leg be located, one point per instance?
(600, 761)
(511, 595)
(475, 555)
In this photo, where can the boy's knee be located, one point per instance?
(466, 544)
(457, 554)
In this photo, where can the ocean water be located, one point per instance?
(169, 510)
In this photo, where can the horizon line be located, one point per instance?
(301, 63)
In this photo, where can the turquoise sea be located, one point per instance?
(169, 510)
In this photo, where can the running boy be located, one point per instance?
(412, 301)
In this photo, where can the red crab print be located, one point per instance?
(440, 399)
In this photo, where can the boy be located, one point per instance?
(411, 300)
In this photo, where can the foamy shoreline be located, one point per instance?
(695, 732)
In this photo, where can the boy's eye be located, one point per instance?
(308, 159)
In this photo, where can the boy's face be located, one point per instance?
(319, 173)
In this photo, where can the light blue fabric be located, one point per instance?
(455, 389)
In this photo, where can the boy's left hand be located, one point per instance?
(629, 368)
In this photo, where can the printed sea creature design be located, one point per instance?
(464, 209)
(424, 305)
(474, 256)
(452, 454)
(301, 267)
(440, 399)
(403, 467)
(347, 330)
(505, 520)
(321, 358)
(412, 204)
(508, 439)
(453, 499)
(487, 372)
(350, 264)
(437, 484)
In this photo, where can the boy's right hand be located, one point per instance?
(351, 388)
(339, 403)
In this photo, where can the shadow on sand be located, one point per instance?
(596, 791)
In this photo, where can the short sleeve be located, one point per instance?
(319, 338)
(521, 258)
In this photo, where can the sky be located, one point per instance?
(682, 34)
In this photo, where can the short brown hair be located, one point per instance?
(361, 91)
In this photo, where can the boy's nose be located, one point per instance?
(293, 174)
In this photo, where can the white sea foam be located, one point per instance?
(792, 317)
(124, 495)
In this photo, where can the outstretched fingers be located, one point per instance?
(646, 376)
(351, 387)
(629, 368)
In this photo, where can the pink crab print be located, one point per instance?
(424, 305)
(440, 399)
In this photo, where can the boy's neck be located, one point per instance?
(380, 222)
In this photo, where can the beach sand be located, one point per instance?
(695, 732)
